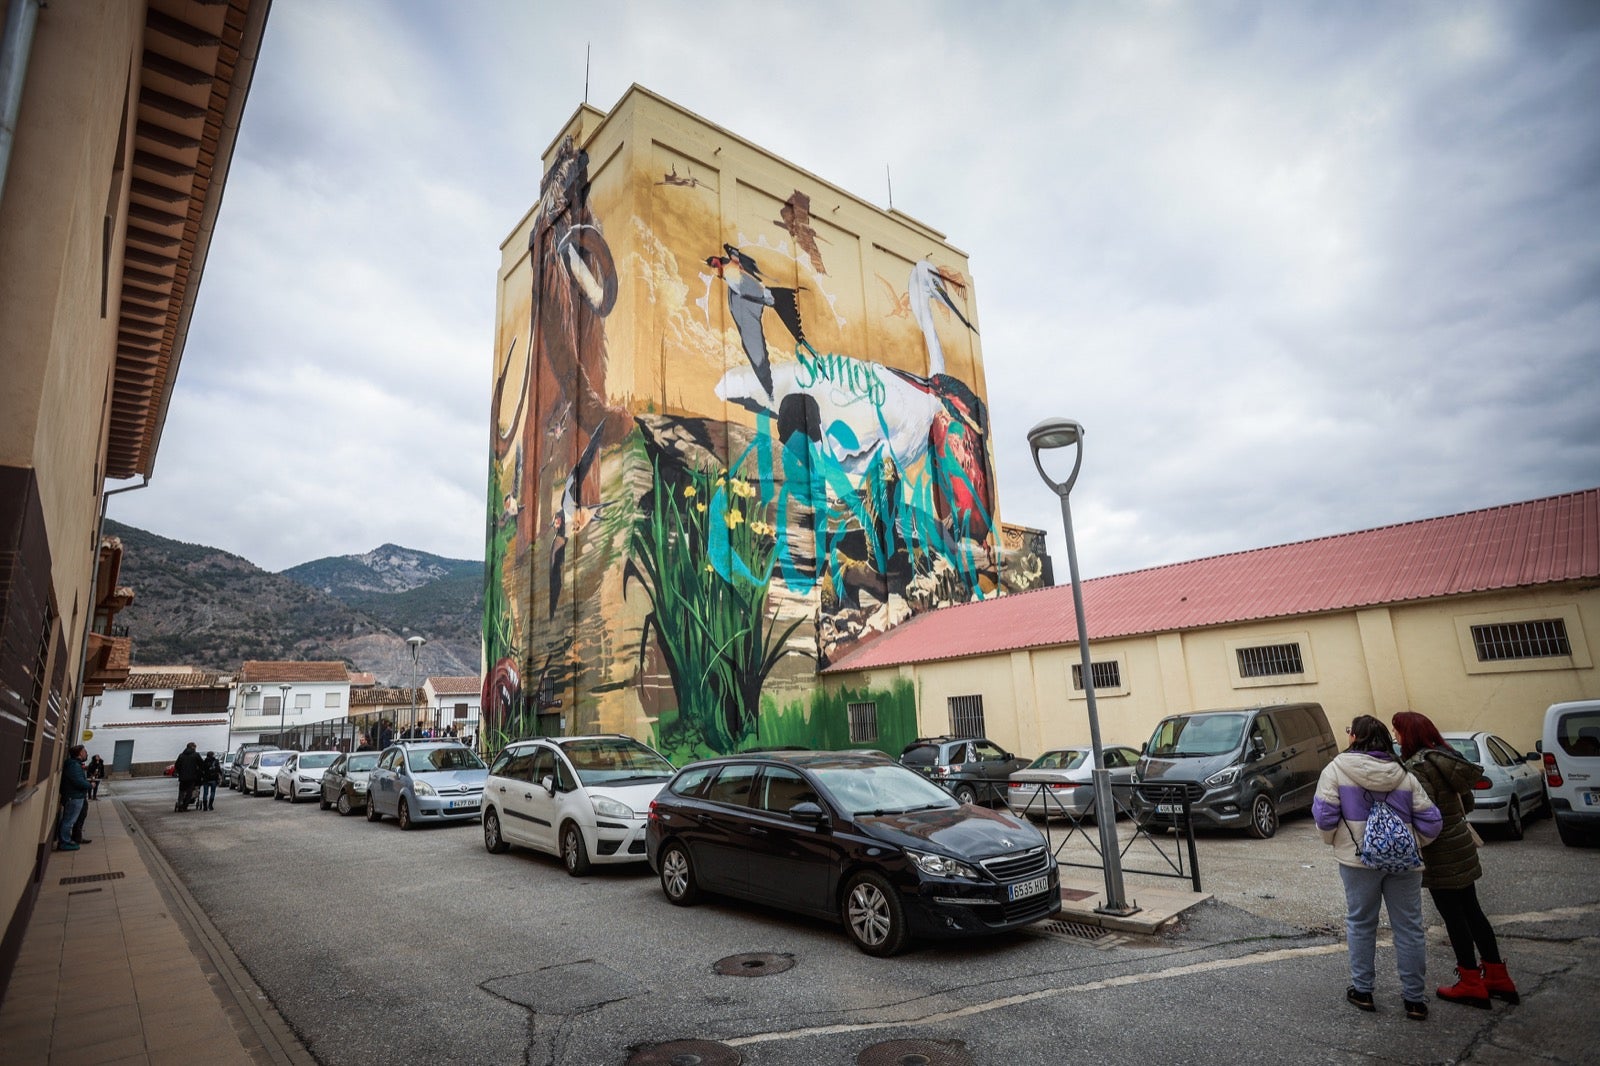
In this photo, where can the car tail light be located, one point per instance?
(1552, 772)
(655, 813)
(1482, 784)
(1056, 786)
(942, 771)
(1016, 784)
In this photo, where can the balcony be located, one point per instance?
(107, 662)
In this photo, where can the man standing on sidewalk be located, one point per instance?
(74, 793)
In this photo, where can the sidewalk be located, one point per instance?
(119, 965)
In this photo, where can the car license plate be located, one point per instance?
(1024, 889)
(458, 804)
(1591, 799)
(1168, 808)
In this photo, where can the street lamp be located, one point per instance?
(283, 709)
(1049, 435)
(416, 643)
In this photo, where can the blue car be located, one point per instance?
(419, 781)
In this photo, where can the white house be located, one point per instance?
(271, 697)
(146, 720)
(454, 702)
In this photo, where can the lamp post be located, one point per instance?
(1049, 435)
(283, 709)
(416, 643)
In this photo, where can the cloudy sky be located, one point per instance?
(1299, 268)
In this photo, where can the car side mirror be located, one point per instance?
(1144, 747)
(1006, 755)
(808, 813)
(1257, 750)
(548, 783)
(1532, 756)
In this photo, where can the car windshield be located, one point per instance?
(364, 761)
(430, 760)
(882, 788)
(1196, 735)
(615, 761)
(1059, 760)
(317, 760)
(275, 758)
(1466, 746)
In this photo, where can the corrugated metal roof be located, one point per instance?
(1517, 545)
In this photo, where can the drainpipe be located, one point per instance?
(88, 618)
(15, 47)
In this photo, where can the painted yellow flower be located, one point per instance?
(700, 507)
(733, 519)
(689, 492)
(710, 569)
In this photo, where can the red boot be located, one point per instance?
(1499, 983)
(1470, 989)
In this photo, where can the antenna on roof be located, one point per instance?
(889, 178)
(587, 48)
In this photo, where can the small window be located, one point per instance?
(331, 700)
(782, 788)
(302, 701)
(1271, 660)
(732, 785)
(1539, 639)
(1267, 732)
(966, 716)
(1104, 675)
(143, 699)
(252, 702)
(272, 705)
(863, 722)
(461, 712)
(987, 752)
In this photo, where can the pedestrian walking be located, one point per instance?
(210, 778)
(96, 771)
(1452, 863)
(74, 794)
(1365, 784)
(188, 766)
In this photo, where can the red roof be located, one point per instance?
(456, 686)
(268, 672)
(1518, 545)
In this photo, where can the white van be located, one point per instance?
(1571, 751)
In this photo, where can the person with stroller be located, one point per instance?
(188, 767)
(210, 778)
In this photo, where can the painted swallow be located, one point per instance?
(748, 299)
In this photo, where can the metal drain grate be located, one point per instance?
(916, 1053)
(1074, 930)
(86, 878)
(686, 1053)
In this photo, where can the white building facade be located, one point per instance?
(273, 697)
(141, 724)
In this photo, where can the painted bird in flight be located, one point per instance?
(748, 299)
(573, 516)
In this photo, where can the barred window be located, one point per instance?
(37, 694)
(1104, 675)
(1270, 660)
(142, 699)
(863, 722)
(1544, 638)
(212, 701)
(966, 716)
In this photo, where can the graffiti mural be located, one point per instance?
(721, 461)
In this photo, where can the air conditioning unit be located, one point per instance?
(255, 688)
(162, 705)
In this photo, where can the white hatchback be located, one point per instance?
(586, 799)
(301, 776)
(1571, 753)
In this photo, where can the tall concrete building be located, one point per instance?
(120, 119)
(739, 428)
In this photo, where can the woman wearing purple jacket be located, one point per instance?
(1363, 775)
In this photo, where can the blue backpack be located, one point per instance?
(1387, 843)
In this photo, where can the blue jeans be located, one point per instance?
(1364, 890)
(71, 807)
(208, 793)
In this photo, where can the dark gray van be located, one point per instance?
(1244, 767)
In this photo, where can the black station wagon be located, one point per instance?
(852, 837)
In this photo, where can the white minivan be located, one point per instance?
(1571, 752)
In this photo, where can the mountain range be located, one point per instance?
(196, 605)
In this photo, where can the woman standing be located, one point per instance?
(97, 773)
(1452, 863)
(1350, 789)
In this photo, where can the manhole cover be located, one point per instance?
(754, 964)
(916, 1053)
(686, 1053)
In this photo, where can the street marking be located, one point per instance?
(1548, 916)
(1044, 993)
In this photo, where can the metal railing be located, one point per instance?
(372, 731)
(1068, 809)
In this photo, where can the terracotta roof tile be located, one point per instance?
(262, 673)
(385, 697)
(149, 679)
(456, 686)
(1518, 545)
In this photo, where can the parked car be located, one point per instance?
(1245, 767)
(1511, 789)
(972, 769)
(228, 760)
(302, 774)
(1060, 783)
(426, 780)
(344, 785)
(235, 777)
(850, 837)
(261, 771)
(1570, 749)
(583, 798)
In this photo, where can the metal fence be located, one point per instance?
(374, 730)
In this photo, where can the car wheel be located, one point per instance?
(403, 815)
(293, 796)
(343, 804)
(573, 851)
(1571, 835)
(322, 800)
(493, 842)
(873, 915)
(1514, 819)
(965, 794)
(677, 876)
(372, 811)
(1263, 817)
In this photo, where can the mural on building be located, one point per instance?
(714, 468)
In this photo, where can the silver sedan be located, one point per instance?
(1512, 786)
(1058, 784)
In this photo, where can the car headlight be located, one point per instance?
(941, 865)
(607, 807)
(1223, 777)
(422, 788)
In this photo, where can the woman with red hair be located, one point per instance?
(1452, 862)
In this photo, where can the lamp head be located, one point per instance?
(1055, 433)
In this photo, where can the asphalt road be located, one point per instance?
(378, 945)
